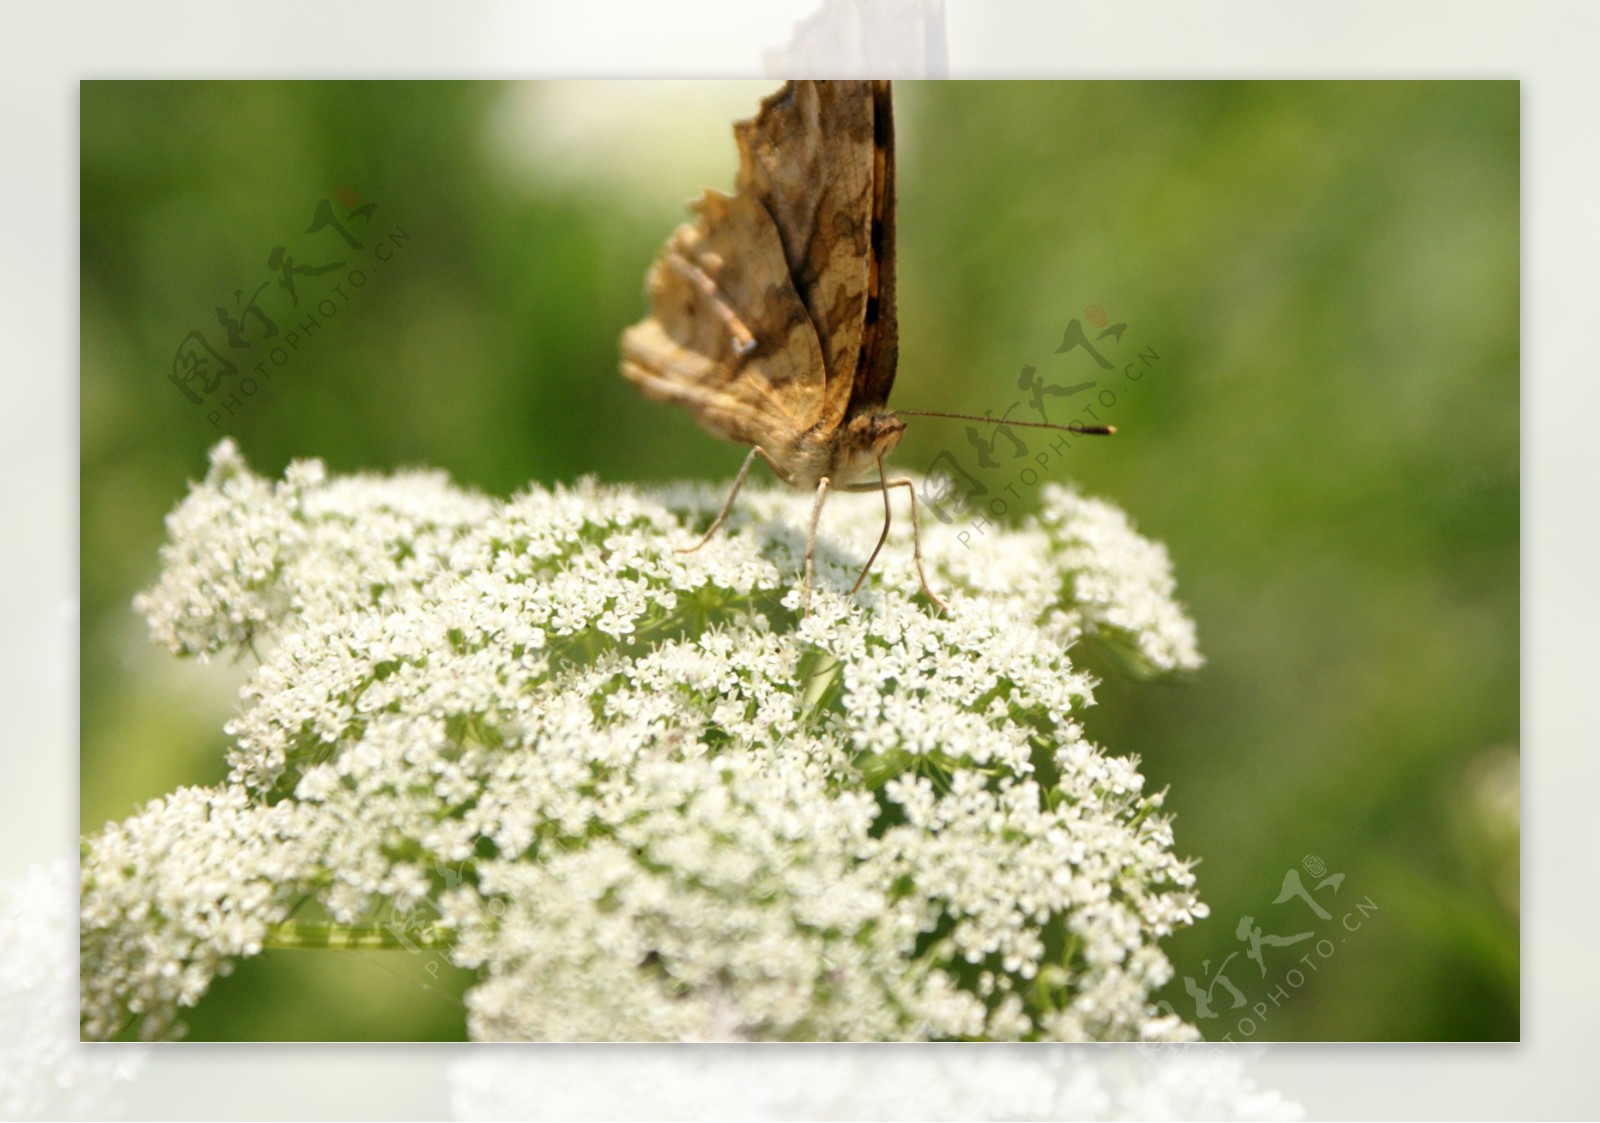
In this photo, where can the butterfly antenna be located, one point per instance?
(1070, 427)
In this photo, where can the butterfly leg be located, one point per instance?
(916, 539)
(883, 486)
(916, 532)
(811, 537)
(738, 482)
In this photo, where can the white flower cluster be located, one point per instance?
(638, 791)
(1122, 584)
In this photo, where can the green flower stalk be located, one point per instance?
(638, 792)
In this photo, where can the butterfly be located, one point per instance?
(773, 317)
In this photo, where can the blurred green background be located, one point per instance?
(1328, 445)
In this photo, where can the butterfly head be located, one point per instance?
(866, 439)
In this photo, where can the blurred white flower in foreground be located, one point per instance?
(887, 1082)
(633, 789)
(44, 1073)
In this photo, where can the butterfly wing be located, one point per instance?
(728, 337)
(880, 351)
(820, 158)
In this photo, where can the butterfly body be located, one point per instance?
(842, 456)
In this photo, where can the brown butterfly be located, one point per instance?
(773, 318)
